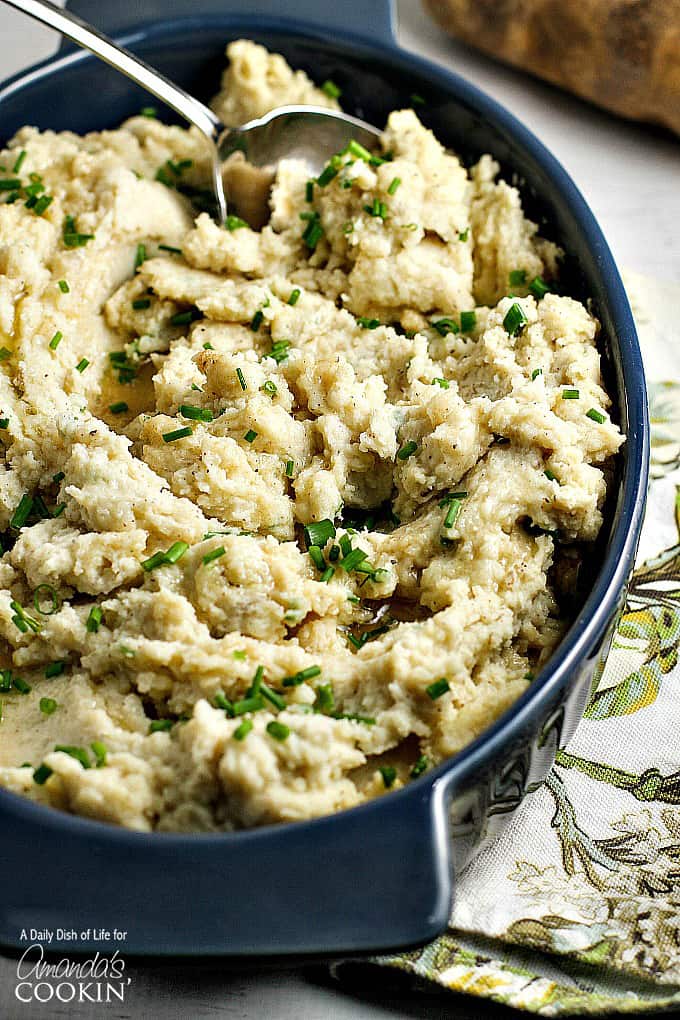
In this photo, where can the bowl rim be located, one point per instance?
(588, 629)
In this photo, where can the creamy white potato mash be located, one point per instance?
(286, 514)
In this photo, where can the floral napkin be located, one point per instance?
(576, 908)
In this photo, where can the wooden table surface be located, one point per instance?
(630, 175)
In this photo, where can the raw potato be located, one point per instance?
(181, 399)
(619, 54)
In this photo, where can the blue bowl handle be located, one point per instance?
(381, 879)
(346, 16)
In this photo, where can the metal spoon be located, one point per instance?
(309, 133)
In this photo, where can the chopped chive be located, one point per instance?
(514, 319)
(389, 774)
(148, 111)
(299, 678)
(171, 437)
(94, 619)
(48, 706)
(9, 183)
(538, 287)
(4, 422)
(141, 303)
(224, 703)
(56, 340)
(445, 326)
(289, 468)
(243, 729)
(517, 277)
(161, 725)
(234, 223)
(120, 407)
(549, 475)
(273, 696)
(278, 730)
(163, 176)
(353, 559)
(318, 532)
(250, 436)
(327, 575)
(316, 556)
(159, 559)
(19, 162)
(54, 603)
(256, 320)
(43, 203)
(22, 512)
(53, 669)
(309, 191)
(396, 181)
(99, 751)
(20, 685)
(140, 255)
(366, 323)
(334, 553)
(313, 232)
(452, 513)
(5, 353)
(241, 379)
(169, 248)
(353, 717)
(82, 365)
(42, 774)
(214, 554)
(194, 413)
(464, 234)
(256, 685)
(596, 415)
(407, 450)
(331, 89)
(468, 321)
(535, 374)
(329, 172)
(355, 149)
(238, 654)
(417, 99)
(436, 689)
(570, 394)
(248, 705)
(345, 544)
(419, 767)
(269, 388)
(444, 383)
(294, 296)
(59, 477)
(6, 680)
(279, 351)
(378, 209)
(325, 699)
(63, 286)
(79, 753)
(183, 318)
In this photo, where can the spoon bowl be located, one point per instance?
(308, 133)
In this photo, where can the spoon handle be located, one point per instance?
(82, 34)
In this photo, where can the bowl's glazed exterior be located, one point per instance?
(381, 875)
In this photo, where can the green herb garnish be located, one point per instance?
(514, 319)
(194, 413)
(436, 689)
(171, 437)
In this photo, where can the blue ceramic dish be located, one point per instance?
(383, 874)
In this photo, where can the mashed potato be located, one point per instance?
(284, 512)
